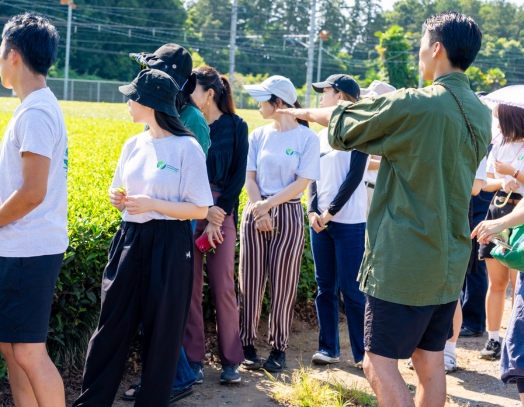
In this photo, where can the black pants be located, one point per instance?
(148, 280)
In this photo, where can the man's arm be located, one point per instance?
(32, 192)
(320, 116)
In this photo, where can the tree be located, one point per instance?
(394, 49)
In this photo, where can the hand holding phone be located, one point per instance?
(203, 243)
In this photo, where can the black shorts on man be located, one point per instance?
(394, 330)
(27, 286)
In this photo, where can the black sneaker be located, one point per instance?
(491, 350)
(276, 363)
(198, 370)
(177, 395)
(251, 362)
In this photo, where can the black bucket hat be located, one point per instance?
(345, 83)
(155, 89)
(173, 60)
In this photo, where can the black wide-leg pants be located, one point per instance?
(148, 280)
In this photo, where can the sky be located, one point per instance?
(388, 4)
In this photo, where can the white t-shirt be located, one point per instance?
(171, 169)
(278, 157)
(482, 172)
(38, 127)
(334, 168)
(370, 175)
(511, 153)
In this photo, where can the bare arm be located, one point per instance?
(320, 116)
(252, 189)
(291, 191)
(493, 184)
(477, 187)
(136, 204)
(374, 164)
(487, 229)
(32, 192)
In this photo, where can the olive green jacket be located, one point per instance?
(417, 238)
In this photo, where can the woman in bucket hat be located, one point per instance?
(176, 61)
(160, 181)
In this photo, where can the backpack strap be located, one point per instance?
(473, 137)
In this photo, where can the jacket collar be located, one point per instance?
(455, 79)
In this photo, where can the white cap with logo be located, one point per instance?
(377, 88)
(274, 85)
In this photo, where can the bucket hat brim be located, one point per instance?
(132, 92)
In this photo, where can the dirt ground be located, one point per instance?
(476, 383)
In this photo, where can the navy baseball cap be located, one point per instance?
(345, 83)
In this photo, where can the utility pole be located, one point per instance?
(420, 79)
(323, 36)
(319, 65)
(311, 52)
(70, 6)
(232, 44)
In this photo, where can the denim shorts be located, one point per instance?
(27, 286)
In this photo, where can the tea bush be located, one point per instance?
(96, 135)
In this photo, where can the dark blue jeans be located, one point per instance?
(338, 251)
(473, 299)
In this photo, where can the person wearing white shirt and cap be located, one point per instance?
(284, 156)
(375, 89)
(337, 217)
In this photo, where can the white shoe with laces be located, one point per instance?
(450, 362)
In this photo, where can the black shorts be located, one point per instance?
(395, 330)
(27, 286)
(496, 213)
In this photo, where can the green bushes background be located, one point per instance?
(96, 135)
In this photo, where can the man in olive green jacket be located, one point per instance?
(417, 240)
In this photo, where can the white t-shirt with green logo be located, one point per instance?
(510, 153)
(171, 169)
(38, 127)
(278, 157)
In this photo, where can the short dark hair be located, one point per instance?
(511, 119)
(34, 38)
(459, 34)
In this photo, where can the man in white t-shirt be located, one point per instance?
(33, 210)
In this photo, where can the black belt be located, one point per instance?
(370, 185)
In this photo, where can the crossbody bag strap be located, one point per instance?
(473, 137)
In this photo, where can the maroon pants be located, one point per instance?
(220, 271)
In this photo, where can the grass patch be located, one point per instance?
(301, 389)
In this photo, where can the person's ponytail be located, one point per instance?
(209, 78)
(300, 121)
(225, 102)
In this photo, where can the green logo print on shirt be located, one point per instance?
(163, 166)
(291, 152)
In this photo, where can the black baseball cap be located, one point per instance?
(155, 89)
(345, 83)
(172, 59)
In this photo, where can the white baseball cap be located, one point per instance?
(376, 88)
(274, 85)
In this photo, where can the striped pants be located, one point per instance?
(277, 255)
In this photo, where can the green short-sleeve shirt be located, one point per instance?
(417, 238)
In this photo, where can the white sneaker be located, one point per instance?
(322, 358)
(450, 362)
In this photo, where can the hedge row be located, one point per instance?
(94, 148)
